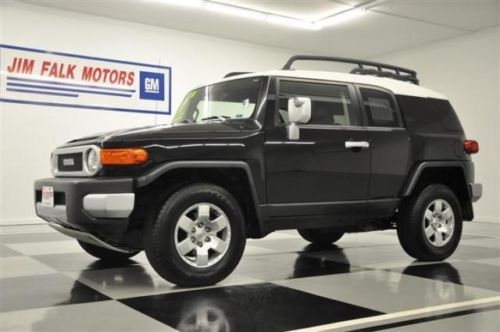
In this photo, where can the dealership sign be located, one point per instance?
(57, 79)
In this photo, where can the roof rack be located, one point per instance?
(236, 73)
(380, 69)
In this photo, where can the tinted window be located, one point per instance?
(380, 108)
(429, 115)
(330, 104)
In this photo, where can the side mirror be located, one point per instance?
(299, 111)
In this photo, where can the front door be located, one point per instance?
(326, 171)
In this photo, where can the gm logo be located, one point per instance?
(152, 85)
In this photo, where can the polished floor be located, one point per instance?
(364, 283)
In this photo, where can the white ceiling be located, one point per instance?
(309, 10)
(389, 26)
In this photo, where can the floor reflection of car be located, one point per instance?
(203, 315)
(306, 266)
(445, 277)
(112, 278)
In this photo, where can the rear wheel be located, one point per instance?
(429, 225)
(321, 236)
(198, 237)
(106, 254)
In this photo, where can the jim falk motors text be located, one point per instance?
(61, 70)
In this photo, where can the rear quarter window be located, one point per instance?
(429, 115)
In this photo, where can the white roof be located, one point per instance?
(397, 87)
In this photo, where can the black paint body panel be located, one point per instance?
(314, 181)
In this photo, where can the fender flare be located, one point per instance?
(418, 170)
(157, 172)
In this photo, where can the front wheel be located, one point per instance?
(429, 226)
(198, 237)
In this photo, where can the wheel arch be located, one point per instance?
(234, 176)
(449, 173)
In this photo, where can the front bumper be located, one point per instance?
(476, 191)
(98, 205)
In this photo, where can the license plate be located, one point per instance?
(48, 196)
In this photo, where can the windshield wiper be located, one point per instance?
(216, 117)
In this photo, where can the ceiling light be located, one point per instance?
(291, 22)
(235, 11)
(342, 17)
(244, 12)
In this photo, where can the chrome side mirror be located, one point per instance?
(299, 111)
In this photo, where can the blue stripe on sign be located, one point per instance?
(10, 78)
(101, 108)
(43, 92)
(31, 86)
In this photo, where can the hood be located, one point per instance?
(229, 128)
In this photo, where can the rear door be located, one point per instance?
(390, 148)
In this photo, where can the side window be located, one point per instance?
(330, 104)
(380, 108)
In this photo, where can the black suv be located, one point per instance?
(325, 153)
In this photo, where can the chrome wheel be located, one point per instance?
(439, 222)
(202, 235)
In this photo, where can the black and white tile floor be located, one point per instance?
(364, 283)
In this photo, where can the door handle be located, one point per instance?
(357, 145)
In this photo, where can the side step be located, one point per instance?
(87, 237)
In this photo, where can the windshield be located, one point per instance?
(235, 99)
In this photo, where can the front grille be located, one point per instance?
(70, 162)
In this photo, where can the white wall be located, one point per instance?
(466, 69)
(29, 133)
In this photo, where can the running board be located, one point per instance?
(87, 237)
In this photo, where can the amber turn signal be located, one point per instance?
(123, 156)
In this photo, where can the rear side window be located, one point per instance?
(330, 104)
(380, 108)
(429, 115)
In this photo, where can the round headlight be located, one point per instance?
(92, 161)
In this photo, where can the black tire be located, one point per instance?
(321, 236)
(160, 237)
(106, 254)
(411, 224)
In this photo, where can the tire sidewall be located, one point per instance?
(165, 226)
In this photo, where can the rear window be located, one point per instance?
(429, 115)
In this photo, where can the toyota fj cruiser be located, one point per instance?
(325, 153)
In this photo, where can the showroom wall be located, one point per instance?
(466, 69)
(29, 133)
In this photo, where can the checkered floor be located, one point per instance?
(365, 282)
